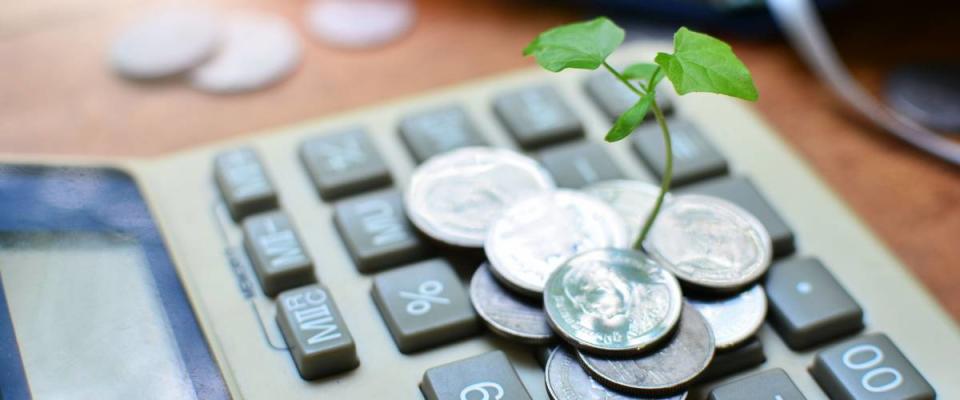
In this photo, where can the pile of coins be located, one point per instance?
(632, 324)
(246, 51)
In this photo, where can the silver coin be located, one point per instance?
(360, 24)
(710, 243)
(633, 199)
(455, 196)
(165, 42)
(669, 369)
(521, 320)
(566, 380)
(612, 301)
(536, 235)
(258, 50)
(734, 319)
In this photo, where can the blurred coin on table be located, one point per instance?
(669, 369)
(258, 50)
(566, 380)
(633, 199)
(454, 197)
(536, 235)
(519, 319)
(734, 319)
(612, 301)
(165, 42)
(710, 243)
(359, 23)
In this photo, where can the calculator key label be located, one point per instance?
(315, 332)
(870, 367)
(376, 232)
(276, 252)
(243, 182)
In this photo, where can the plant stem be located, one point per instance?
(667, 176)
(622, 78)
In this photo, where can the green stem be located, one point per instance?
(667, 176)
(622, 78)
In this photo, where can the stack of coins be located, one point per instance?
(631, 324)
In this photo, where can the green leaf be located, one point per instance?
(631, 119)
(643, 72)
(583, 45)
(701, 63)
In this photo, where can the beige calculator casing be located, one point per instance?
(247, 344)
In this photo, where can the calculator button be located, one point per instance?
(438, 131)
(344, 163)
(731, 361)
(767, 385)
(376, 231)
(870, 367)
(487, 376)
(807, 305)
(576, 165)
(244, 183)
(694, 158)
(614, 98)
(315, 332)
(277, 252)
(424, 305)
(742, 192)
(537, 116)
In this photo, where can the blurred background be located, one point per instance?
(64, 89)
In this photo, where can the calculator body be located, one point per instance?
(237, 321)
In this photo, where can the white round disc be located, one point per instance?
(258, 50)
(165, 42)
(359, 23)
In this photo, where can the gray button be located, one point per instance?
(344, 163)
(807, 305)
(576, 165)
(614, 98)
(487, 376)
(742, 192)
(773, 384)
(277, 253)
(438, 131)
(316, 334)
(870, 367)
(694, 158)
(244, 183)
(376, 231)
(737, 359)
(424, 305)
(537, 116)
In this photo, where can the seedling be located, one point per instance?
(699, 63)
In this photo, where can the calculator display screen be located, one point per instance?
(88, 318)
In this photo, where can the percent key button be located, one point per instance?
(424, 305)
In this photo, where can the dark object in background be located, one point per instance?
(927, 93)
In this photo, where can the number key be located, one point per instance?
(870, 367)
(537, 116)
(344, 163)
(487, 376)
(437, 131)
(424, 305)
(774, 384)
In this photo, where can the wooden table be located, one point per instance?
(58, 97)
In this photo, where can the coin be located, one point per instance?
(359, 24)
(734, 319)
(518, 319)
(536, 235)
(669, 369)
(566, 380)
(612, 301)
(710, 243)
(258, 50)
(454, 197)
(633, 199)
(165, 42)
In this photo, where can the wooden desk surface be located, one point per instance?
(58, 97)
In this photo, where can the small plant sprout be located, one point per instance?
(699, 63)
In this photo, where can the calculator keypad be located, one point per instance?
(424, 305)
(315, 332)
(487, 376)
(578, 164)
(376, 231)
(870, 367)
(244, 183)
(767, 385)
(694, 157)
(344, 163)
(537, 116)
(277, 253)
(439, 130)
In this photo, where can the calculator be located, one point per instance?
(282, 265)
